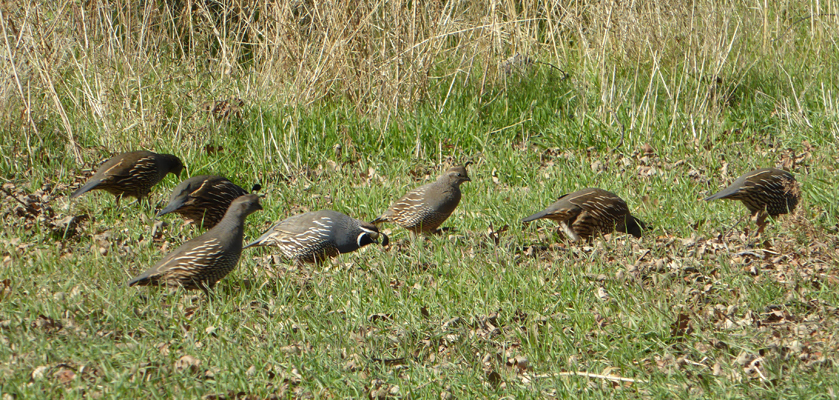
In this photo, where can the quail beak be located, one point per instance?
(368, 234)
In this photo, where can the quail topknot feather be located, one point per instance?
(203, 198)
(314, 236)
(203, 261)
(587, 212)
(427, 207)
(765, 192)
(131, 174)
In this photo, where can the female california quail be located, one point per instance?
(590, 211)
(427, 207)
(203, 198)
(131, 174)
(203, 261)
(314, 236)
(765, 192)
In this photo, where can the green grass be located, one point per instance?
(323, 331)
(310, 331)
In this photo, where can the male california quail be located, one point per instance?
(314, 236)
(590, 211)
(203, 261)
(427, 207)
(131, 174)
(203, 198)
(765, 192)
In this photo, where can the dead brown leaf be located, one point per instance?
(65, 375)
(494, 378)
(5, 288)
(224, 109)
(495, 235)
(682, 326)
(211, 149)
(47, 324)
(379, 317)
(38, 372)
(188, 363)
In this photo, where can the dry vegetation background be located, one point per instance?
(100, 72)
(662, 102)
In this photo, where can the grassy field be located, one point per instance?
(348, 107)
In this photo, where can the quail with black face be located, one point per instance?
(315, 236)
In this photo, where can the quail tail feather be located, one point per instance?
(538, 215)
(86, 188)
(727, 192)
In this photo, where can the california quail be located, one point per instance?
(427, 207)
(314, 236)
(590, 211)
(765, 192)
(203, 261)
(203, 198)
(131, 174)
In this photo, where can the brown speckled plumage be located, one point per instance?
(203, 198)
(131, 174)
(427, 207)
(591, 211)
(203, 261)
(765, 192)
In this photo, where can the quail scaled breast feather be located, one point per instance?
(425, 208)
(587, 212)
(203, 261)
(131, 174)
(315, 236)
(203, 199)
(765, 192)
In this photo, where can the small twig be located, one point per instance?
(590, 375)
(389, 361)
(727, 231)
(749, 253)
(510, 126)
(792, 25)
(697, 363)
(757, 368)
(565, 75)
(642, 256)
(623, 131)
(16, 199)
(753, 254)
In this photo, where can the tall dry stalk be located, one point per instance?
(100, 72)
